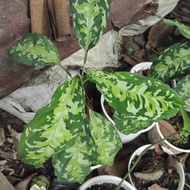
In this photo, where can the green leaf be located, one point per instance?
(172, 62)
(183, 87)
(107, 141)
(55, 126)
(36, 50)
(89, 20)
(98, 143)
(127, 126)
(73, 163)
(137, 97)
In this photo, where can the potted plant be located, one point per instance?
(173, 63)
(67, 131)
(156, 168)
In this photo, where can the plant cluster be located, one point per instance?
(63, 131)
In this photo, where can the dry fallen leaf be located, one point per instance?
(24, 184)
(156, 187)
(2, 136)
(167, 129)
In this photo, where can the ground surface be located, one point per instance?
(144, 48)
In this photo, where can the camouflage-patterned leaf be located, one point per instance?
(183, 87)
(127, 126)
(172, 62)
(36, 50)
(97, 144)
(136, 96)
(73, 163)
(89, 20)
(55, 126)
(107, 141)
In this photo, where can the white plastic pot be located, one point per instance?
(124, 138)
(141, 66)
(105, 179)
(178, 166)
(155, 135)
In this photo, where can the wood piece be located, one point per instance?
(59, 17)
(5, 184)
(39, 17)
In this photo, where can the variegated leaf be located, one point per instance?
(172, 62)
(36, 50)
(97, 144)
(107, 141)
(127, 126)
(183, 87)
(55, 126)
(136, 96)
(73, 163)
(89, 20)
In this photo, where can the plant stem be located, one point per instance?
(65, 70)
(186, 120)
(84, 64)
(140, 156)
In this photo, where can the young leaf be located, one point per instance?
(183, 87)
(185, 30)
(172, 62)
(137, 97)
(127, 126)
(55, 126)
(89, 20)
(36, 50)
(98, 143)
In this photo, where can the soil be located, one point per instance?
(105, 186)
(156, 167)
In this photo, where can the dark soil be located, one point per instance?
(105, 186)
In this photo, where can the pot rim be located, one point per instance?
(105, 179)
(178, 150)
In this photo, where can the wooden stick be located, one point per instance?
(4, 183)
(59, 15)
(39, 17)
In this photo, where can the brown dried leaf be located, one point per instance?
(158, 36)
(23, 185)
(156, 187)
(167, 129)
(171, 161)
(158, 149)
